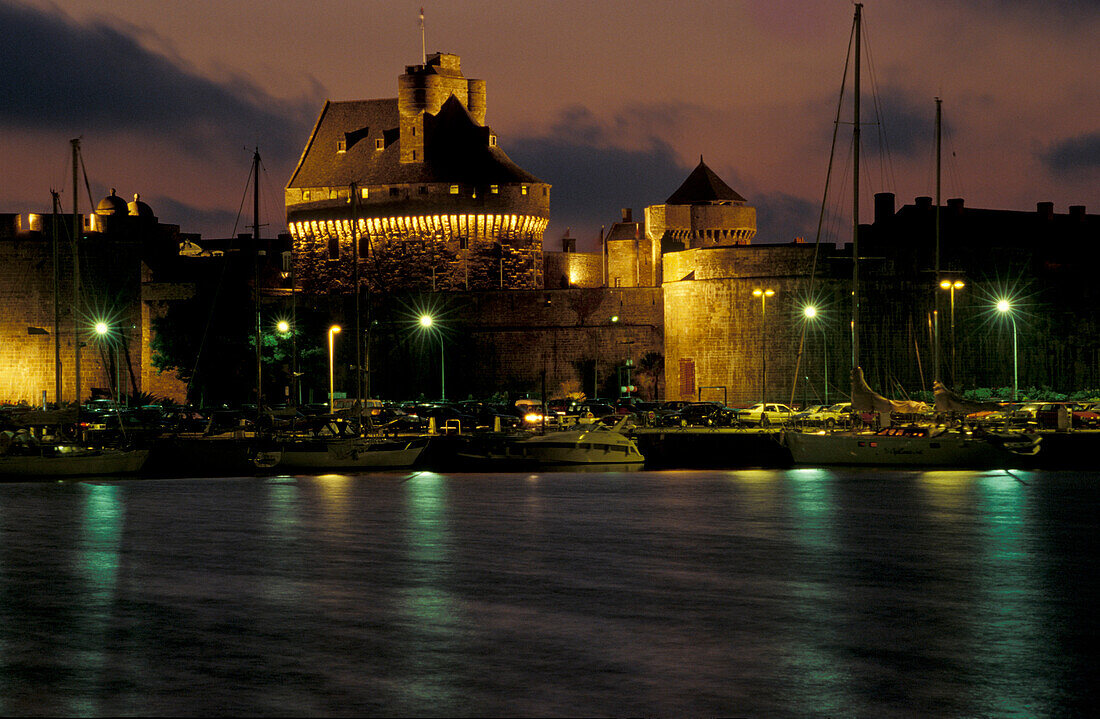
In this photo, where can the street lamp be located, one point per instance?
(763, 295)
(951, 286)
(1005, 308)
(427, 323)
(332, 332)
(811, 314)
(103, 333)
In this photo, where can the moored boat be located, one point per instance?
(912, 446)
(590, 445)
(65, 460)
(343, 453)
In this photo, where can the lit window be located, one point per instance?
(495, 189)
(364, 192)
(332, 193)
(454, 189)
(341, 145)
(523, 189)
(492, 140)
(305, 195)
(380, 144)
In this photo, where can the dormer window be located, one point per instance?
(492, 140)
(379, 144)
(341, 146)
(523, 189)
(494, 189)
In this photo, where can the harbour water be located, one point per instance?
(799, 592)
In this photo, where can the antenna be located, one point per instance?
(423, 47)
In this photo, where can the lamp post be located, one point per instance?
(951, 286)
(1005, 308)
(283, 328)
(811, 314)
(763, 294)
(427, 323)
(332, 332)
(103, 332)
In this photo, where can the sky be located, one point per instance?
(612, 102)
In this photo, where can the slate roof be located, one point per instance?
(456, 149)
(703, 187)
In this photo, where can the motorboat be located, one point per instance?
(912, 445)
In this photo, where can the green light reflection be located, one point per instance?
(283, 532)
(428, 606)
(817, 672)
(98, 565)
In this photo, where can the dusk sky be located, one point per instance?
(611, 102)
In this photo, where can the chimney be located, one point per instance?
(628, 214)
(1045, 210)
(884, 206)
(924, 204)
(1077, 213)
(955, 206)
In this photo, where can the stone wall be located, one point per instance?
(572, 269)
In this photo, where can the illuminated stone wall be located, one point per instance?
(110, 276)
(714, 333)
(702, 225)
(573, 269)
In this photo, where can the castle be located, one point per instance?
(409, 205)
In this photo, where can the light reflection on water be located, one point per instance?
(797, 592)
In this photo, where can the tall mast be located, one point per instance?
(56, 226)
(76, 270)
(257, 252)
(855, 198)
(358, 328)
(936, 261)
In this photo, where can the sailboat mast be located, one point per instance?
(76, 270)
(356, 279)
(257, 251)
(936, 260)
(855, 196)
(56, 227)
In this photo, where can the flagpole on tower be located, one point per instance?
(423, 47)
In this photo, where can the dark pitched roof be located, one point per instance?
(456, 149)
(702, 186)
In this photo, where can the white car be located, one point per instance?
(765, 414)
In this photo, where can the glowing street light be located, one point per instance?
(104, 334)
(428, 324)
(282, 327)
(951, 286)
(763, 294)
(810, 313)
(332, 332)
(1005, 308)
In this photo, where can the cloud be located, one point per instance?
(781, 218)
(593, 176)
(1076, 155)
(90, 77)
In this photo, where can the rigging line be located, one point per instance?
(218, 287)
(886, 164)
(821, 212)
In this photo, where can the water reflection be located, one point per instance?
(97, 563)
(428, 608)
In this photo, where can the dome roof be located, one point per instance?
(139, 208)
(112, 205)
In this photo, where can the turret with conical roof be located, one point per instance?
(703, 212)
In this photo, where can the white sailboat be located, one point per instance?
(911, 445)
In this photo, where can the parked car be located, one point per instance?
(702, 414)
(812, 416)
(766, 414)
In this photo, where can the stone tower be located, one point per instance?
(413, 192)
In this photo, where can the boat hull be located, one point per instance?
(344, 455)
(101, 463)
(844, 448)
